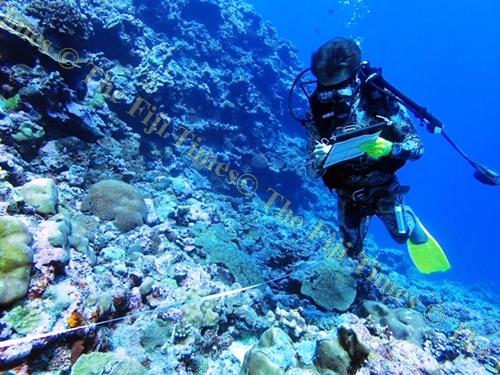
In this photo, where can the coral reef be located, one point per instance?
(42, 194)
(63, 18)
(107, 363)
(117, 201)
(217, 244)
(331, 286)
(347, 349)
(15, 259)
(404, 324)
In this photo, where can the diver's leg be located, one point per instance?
(353, 225)
(386, 211)
(415, 230)
(424, 250)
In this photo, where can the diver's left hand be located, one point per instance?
(377, 149)
(320, 153)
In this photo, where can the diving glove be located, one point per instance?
(377, 149)
(320, 153)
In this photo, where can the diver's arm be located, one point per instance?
(313, 137)
(410, 147)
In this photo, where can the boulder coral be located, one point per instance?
(405, 324)
(330, 286)
(118, 201)
(42, 194)
(15, 260)
(337, 354)
(272, 355)
(200, 314)
(330, 356)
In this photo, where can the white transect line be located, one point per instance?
(24, 340)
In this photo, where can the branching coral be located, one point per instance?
(62, 17)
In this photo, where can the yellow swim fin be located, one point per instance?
(425, 251)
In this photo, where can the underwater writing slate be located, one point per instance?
(347, 150)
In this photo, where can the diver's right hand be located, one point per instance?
(320, 152)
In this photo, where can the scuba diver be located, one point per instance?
(345, 102)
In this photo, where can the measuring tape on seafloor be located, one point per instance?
(229, 293)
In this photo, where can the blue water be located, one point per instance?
(446, 56)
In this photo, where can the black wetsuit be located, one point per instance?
(365, 187)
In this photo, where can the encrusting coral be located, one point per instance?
(331, 286)
(405, 324)
(200, 314)
(217, 244)
(23, 320)
(107, 364)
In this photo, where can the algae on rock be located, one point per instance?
(10, 104)
(28, 131)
